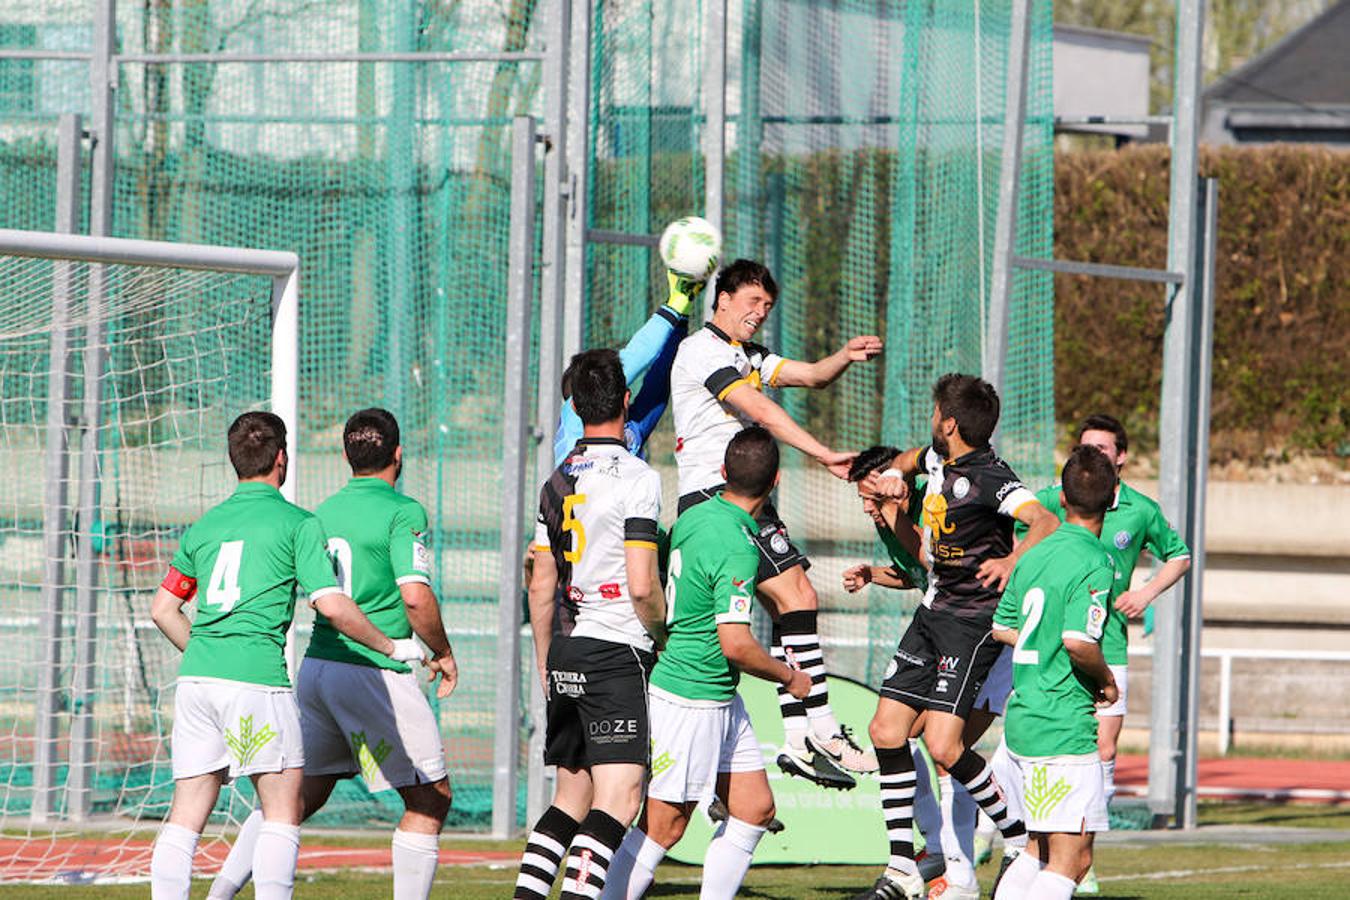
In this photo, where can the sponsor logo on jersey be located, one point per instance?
(613, 731)
(891, 668)
(910, 658)
(421, 556)
(369, 758)
(1008, 488)
(1096, 618)
(679, 444)
(245, 742)
(779, 543)
(576, 594)
(947, 665)
(960, 487)
(1122, 539)
(611, 591)
(572, 468)
(568, 684)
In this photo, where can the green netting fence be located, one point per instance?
(863, 140)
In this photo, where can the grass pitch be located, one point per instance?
(1135, 865)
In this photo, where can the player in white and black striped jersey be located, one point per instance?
(716, 391)
(595, 602)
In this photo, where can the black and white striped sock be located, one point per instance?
(978, 777)
(592, 850)
(897, 803)
(544, 852)
(801, 644)
(793, 710)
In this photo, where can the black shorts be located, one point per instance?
(941, 662)
(597, 703)
(777, 553)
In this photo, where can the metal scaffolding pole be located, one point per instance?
(714, 124)
(578, 148)
(515, 434)
(1168, 761)
(56, 472)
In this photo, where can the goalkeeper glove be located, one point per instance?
(683, 292)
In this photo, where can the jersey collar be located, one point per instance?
(369, 481)
(722, 334)
(970, 457)
(600, 442)
(256, 487)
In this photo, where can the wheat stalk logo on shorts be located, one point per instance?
(1041, 796)
(246, 744)
(369, 757)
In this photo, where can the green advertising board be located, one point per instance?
(821, 826)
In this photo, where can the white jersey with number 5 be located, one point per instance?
(600, 500)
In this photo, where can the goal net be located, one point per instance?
(119, 382)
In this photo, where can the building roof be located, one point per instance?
(1309, 66)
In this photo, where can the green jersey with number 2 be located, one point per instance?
(247, 555)
(376, 537)
(1061, 588)
(713, 564)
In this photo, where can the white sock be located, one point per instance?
(274, 860)
(237, 869)
(1016, 881)
(823, 723)
(960, 872)
(1109, 778)
(728, 859)
(985, 828)
(633, 867)
(171, 862)
(927, 815)
(1051, 886)
(415, 858)
(965, 812)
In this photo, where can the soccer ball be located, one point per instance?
(690, 247)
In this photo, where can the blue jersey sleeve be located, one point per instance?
(647, 343)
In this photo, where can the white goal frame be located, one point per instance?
(283, 267)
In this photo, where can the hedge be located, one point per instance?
(1282, 301)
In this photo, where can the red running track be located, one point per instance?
(1250, 778)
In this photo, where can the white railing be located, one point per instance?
(1226, 657)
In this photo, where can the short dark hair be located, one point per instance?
(254, 439)
(972, 402)
(742, 272)
(871, 459)
(1103, 422)
(751, 462)
(370, 439)
(1088, 481)
(597, 385)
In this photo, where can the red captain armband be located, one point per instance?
(178, 584)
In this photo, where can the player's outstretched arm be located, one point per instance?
(644, 589)
(166, 609)
(744, 652)
(824, 372)
(1133, 603)
(1040, 522)
(424, 615)
(543, 584)
(751, 402)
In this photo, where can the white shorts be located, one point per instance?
(368, 721)
(1122, 677)
(993, 695)
(1059, 794)
(246, 728)
(692, 743)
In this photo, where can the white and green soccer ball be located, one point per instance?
(690, 247)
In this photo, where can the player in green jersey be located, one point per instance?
(1133, 523)
(234, 712)
(362, 713)
(702, 740)
(1053, 614)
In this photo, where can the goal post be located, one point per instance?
(122, 362)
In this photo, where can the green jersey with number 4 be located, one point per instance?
(1061, 588)
(247, 555)
(713, 563)
(376, 537)
(1134, 522)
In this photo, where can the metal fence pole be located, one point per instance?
(399, 262)
(56, 465)
(749, 138)
(578, 161)
(995, 350)
(515, 433)
(538, 787)
(102, 74)
(714, 125)
(1175, 420)
(1192, 615)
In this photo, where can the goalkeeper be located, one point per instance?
(650, 350)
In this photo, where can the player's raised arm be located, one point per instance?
(751, 403)
(824, 372)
